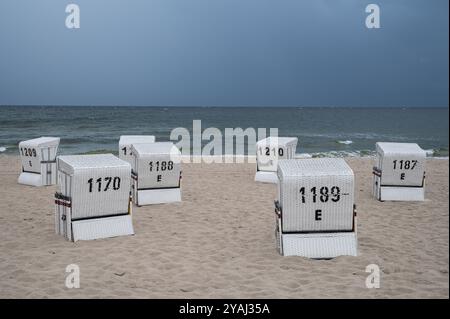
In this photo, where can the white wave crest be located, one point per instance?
(429, 152)
(363, 153)
(347, 142)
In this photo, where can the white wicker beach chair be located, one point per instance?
(315, 211)
(399, 173)
(156, 173)
(93, 199)
(268, 152)
(126, 141)
(38, 157)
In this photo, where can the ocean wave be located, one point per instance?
(100, 151)
(2, 149)
(347, 142)
(441, 153)
(89, 139)
(341, 154)
(358, 136)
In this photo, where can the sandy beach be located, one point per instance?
(219, 243)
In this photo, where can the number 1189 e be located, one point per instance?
(325, 193)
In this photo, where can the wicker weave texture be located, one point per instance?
(48, 173)
(157, 165)
(98, 185)
(125, 142)
(33, 152)
(102, 227)
(272, 149)
(401, 164)
(316, 195)
(328, 245)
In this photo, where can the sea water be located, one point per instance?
(326, 131)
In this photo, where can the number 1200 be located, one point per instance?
(31, 152)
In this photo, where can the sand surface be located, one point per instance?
(219, 243)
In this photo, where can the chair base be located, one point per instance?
(90, 228)
(392, 193)
(95, 228)
(397, 193)
(46, 177)
(266, 177)
(156, 196)
(314, 245)
(318, 245)
(104, 227)
(30, 179)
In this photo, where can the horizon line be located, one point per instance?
(215, 106)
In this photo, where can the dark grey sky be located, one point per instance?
(224, 52)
